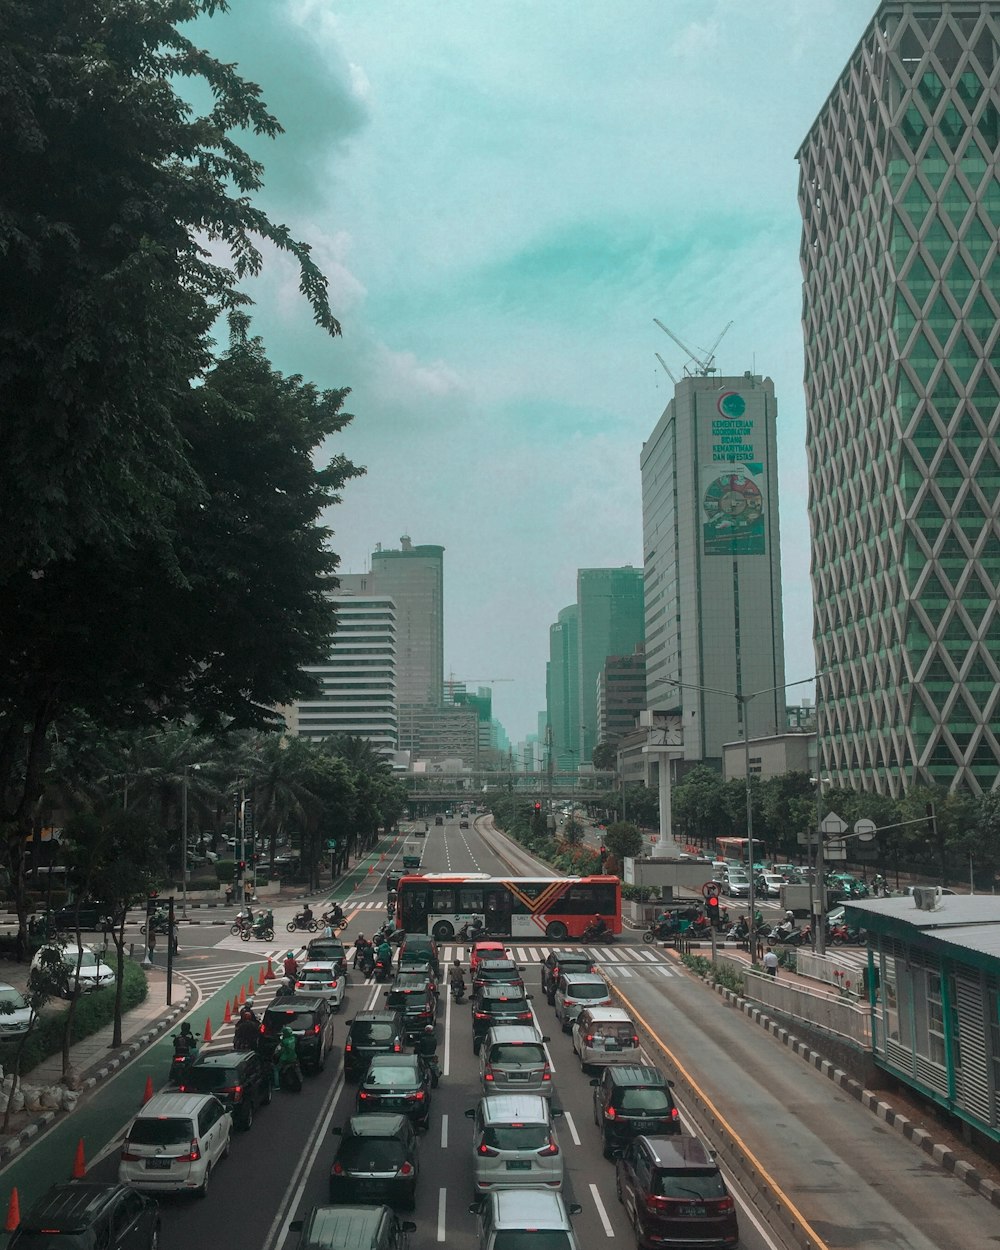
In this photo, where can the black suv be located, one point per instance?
(371, 1033)
(312, 1023)
(497, 972)
(238, 1078)
(376, 1161)
(631, 1100)
(495, 1005)
(326, 950)
(417, 950)
(86, 1215)
(96, 916)
(413, 994)
(560, 963)
(674, 1194)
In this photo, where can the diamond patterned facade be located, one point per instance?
(900, 198)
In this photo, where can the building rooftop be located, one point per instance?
(962, 921)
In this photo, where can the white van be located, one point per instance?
(175, 1142)
(605, 1035)
(93, 973)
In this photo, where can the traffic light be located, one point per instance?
(243, 865)
(538, 808)
(712, 908)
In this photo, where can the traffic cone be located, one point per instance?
(79, 1163)
(227, 1015)
(250, 988)
(269, 973)
(207, 1037)
(13, 1212)
(148, 1092)
(243, 994)
(262, 975)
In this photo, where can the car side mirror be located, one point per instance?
(546, 1039)
(529, 996)
(470, 1114)
(408, 1226)
(670, 1084)
(595, 1083)
(555, 1112)
(351, 1021)
(475, 1208)
(574, 1208)
(296, 1226)
(338, 1131)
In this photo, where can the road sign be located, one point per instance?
(836, 849)
(809, 838)
(833, 825)
(710, 889)
(865, 830)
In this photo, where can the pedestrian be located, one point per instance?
(173, 937)
(771, 963)
(151, 942)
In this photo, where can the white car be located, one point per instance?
(322, 979)
(93, 973)
(15, 1014)
(603, 1036)
(770, 883)
(576, 991)
(514, 1145)
(175, 1142)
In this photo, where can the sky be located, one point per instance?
(503, 197)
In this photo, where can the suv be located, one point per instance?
(514, 1145)
(328, 950)
(604, 1035)
(674, 1194)
(88, 1215)
(576, 991)
(417, 950)
(632, 1100)
(556, 963)
(495, 1005)
(312, 1023)
(513, 1060)
(91, 916)
(497, 972)
(414, 996)
(352, 1228)
(371, 1033)
(175, 1142)
(525, 1218)
(439, 820)
(238, 1078)
(376, 1161)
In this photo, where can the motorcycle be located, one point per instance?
(300, 922)
(660, 932)
(366, 962)
(335, 923)
(290, 1077)
(243, 920)
(383, 970)
(160, 924)
(458, 991)
(183, 1058)
(260, 930)
(603, 935)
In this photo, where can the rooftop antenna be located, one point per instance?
(704, 362)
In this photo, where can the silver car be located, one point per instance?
(513, 1060)
(576, 991)
(525, 1218)
(514, 1145)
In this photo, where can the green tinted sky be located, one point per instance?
(504, 196)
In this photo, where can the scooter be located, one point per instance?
(458, 991)
(300, 922)
(383, 970)
(659, 932)
(259, 930)
(160, 924)
(593, 934)
(366, 962)
(182, 1060)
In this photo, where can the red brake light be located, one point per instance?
(299, 984)
(338, 1170)
(261, 1029)
(674, 1113)
(724, 1204)
(193, 1155)
(635, 1039)
(546, 1075)
(419, 1096)
(396, 1048)
(348, 1047)
(237, 1092)
(487, 1150)
(550, 1149)
(589, 1039)
(481, 1015)
(488, 1074)
(610, 1113)
(316, 1028)
(362, 1095)
(406, 1169)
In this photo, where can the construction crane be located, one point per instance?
(666, 367)
(705, 362)
(471, 681)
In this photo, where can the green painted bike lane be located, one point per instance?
(101, 1117)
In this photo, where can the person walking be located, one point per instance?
(770, 962)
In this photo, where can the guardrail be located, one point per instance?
(839, 1015)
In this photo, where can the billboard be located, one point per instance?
(734, 483)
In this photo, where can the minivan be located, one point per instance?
(525, 1218)
(633, 1100)
(674, 1194)
(603, 1035)
(514, 1144)
(513, 1059)
(175, 1142)
(576, 991)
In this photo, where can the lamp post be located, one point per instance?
(184, 838)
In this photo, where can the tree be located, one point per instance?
(697, 804)
(572, 831)
(623, 840)
(48, 979)
(605, 757)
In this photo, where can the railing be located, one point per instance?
(834, 1014)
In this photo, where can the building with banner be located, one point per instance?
(712, 564)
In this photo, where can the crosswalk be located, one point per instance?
(623, 961)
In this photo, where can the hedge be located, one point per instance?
(93, 1012)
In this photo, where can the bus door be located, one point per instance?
(496, 908)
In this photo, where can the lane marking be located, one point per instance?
(721, 1120)
(568, 1117)
(601, 1211)
(446, 1068)
(442, 1200)
(444, 1132)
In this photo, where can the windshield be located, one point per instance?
(532, 1239)
(13, 999)
(653, 1101)
(371, 1154)
(516, 1136)
(274, 1021)
(208, 1078)
(524, 1054)
(691, 1183)
(88, 959)
(161, 1131)
(378, 1075)
(317, 974)
(588, 991)
(373, 1031)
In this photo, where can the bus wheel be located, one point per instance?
(556, 930)
(443, 930)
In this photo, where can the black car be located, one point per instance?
(352, 1228)
(372, 1033)
(556, 963)
(400, 1083)
(87, 1215)
(417, 950)
(238, 1078)
(95, 916)
(376, 1161)
(324, 950)
(312, 1023)
(630, 1100)
(674, 1194)
(415, 995)
(497, 972)
(495, 1005)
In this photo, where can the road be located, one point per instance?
(854, 1181)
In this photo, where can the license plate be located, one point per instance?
(518, 1165)
(643, 1126)
(152, 1164)
(691, 1213)
(611, 1044)
(518, 1076)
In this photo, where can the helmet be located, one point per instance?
(287, 1031)
(597, 915)
(789, 915)
(245, 1013)
(185, 1027)
(360, 937)
(457, 963)
(289, 954)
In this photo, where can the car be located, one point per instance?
(488, 948)
(736, 884)
(513, 1060)
(89, 1215)
(604, 1035)
(577, 990)
(674, 1194)
(420, 831)
(399, 1083)
(413, 994)
(15, 1014)
(329, 951)
(514, 1144)
(557, 962)
(495, 1005)
(311, 1021)
(352, 1228)
(322, 979)
(93, 973)
(417, 949)
(497, 972)
(371, 1033)
(90, 915)
(376, 1161)
(238, 1078)
(769, 884)
(175, 1143)
(463, 822)
(439, 820)
(525, 1219)
(630, 1101)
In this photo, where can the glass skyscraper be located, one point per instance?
(900, 201)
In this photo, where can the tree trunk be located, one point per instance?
(74, 998)
(16, 1072)
(118, 936)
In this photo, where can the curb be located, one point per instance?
(95, 1075)
(941, 1154)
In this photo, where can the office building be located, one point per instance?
(610, 603)
(621, 695)
(900, 200)
(414, 578)
(713, 563)
(563, 691)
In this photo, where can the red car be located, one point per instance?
(486, 950)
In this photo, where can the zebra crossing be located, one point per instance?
(212, 978)
(622, 961)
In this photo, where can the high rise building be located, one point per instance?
(712, 562)
(562, 689)
(414, 578)
(900, 199)
(358, 679)
(610, 603)
(621, 695)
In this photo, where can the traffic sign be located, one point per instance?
(833, 825)
(836, 849)
(710, 889)
(865, 830)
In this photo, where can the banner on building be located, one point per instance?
(733, 484)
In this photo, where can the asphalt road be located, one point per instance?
(852, 1178)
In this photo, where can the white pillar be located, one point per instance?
(666, 847)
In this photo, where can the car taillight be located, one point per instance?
(127, 1155)
(546, 1075)
(362, 1095)
(337, 1169)
(182, 1089)
(406, 1169)
(524, 1015)
(261, 1029)
(550, 1149)
(675, 1115)
(487, 1150)
(193, 1155)
(317, 1028)
(236, 1091)
(480, 1015)
(300, 985)
(348, 1047)
(488, 1074)
(722, 1205)
(589, 1039)
(396, 1048)
(419, 1096)
(610, 1113)
(635, 1039)
(653, 1203)
(332, 985)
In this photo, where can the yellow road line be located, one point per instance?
(765, 1176)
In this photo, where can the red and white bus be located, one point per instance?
(520, 907)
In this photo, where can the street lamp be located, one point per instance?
(184, 838)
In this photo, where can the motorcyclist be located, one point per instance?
(306, 917)
(286, 1056)
(456, 978)
(475, 929)
(597, 925)
(425, 1045)
(246, 1030)
(335, 914)
(290, 966)
(185, 1042)
(384, 953)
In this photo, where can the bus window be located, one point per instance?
(470, 898)
(497, 908)
(443, 900)
(586, 900)
(414, 906)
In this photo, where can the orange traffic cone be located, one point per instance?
(262, 975)
(148, 1092)
(13, 1212)
(227, 1015)
(207, 1037)
(243, 994)
(269, 974)
(250, 988)
(79, 1163)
